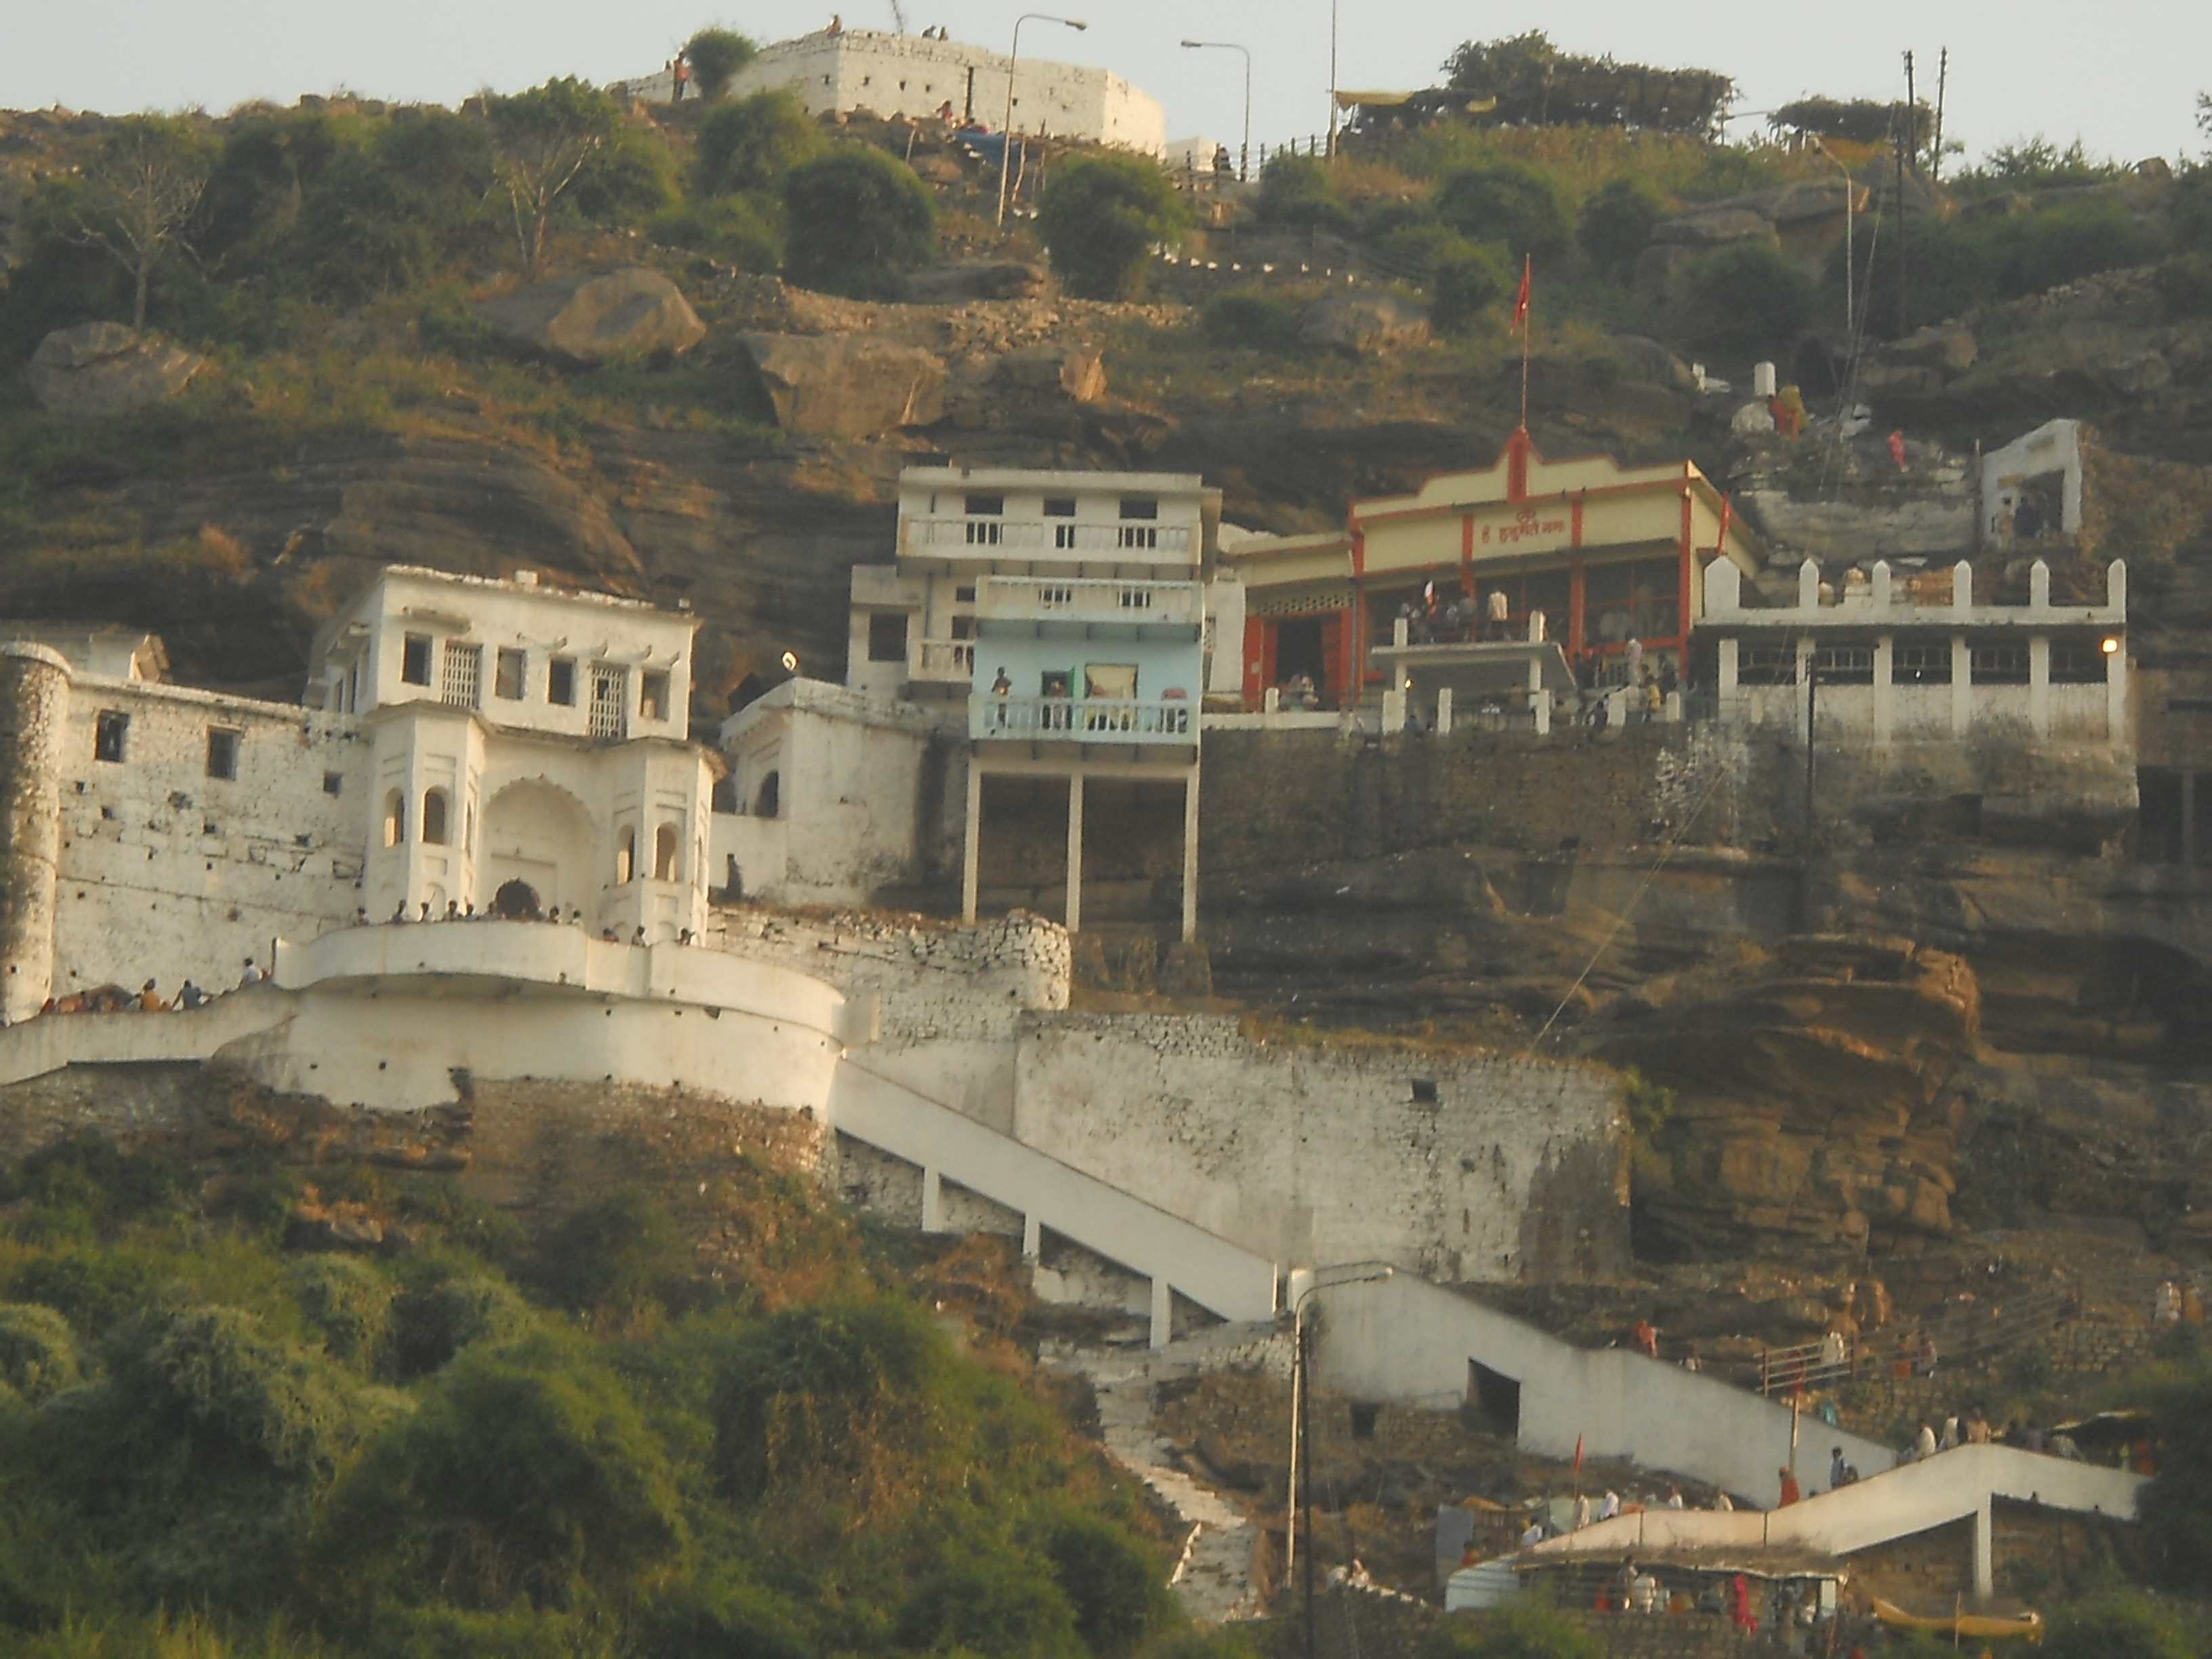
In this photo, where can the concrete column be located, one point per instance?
(1190, 856)
(1272, 702)
(1543, 706)
(2039, 586)
(1985, 1578)
(1726, 683)
(1032, 1239)
(34, 705)
(1808, 586)
(1962, 686)
(1394, 713)
(971, 846)
(1443, 711)
(1400, 629)
(2116, 691)
(932, 1200)
(1163, 1311)
(1074, 851)
(2039, 683)
(1885, 695)
(1802, 703)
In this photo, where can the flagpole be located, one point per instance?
(1521, 321)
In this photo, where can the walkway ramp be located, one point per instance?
(1406, 1339)
(1952, 1486)
(1222, 1278)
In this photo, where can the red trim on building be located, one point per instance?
(1258, 637)
(1578, 533)
(1516, 466)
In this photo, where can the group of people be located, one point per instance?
(458, 910)
(1463, 621)
(148, 999)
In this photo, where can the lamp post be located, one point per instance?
(1358, 1272)
(1007, 131)
(1244, 150)
(1331, 79)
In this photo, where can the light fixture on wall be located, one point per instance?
(791, 662)
(2110, 647)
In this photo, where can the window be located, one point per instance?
(664, 853)
(109, 733)
(433, 816)
(463, 676)
(887, 636)
(724, 800)
(333, 783)
(964, 596)
(223, 753)
(769, 801)
(1766, 664)
(1063, 536)
(625, 857)
(983, 506)
(1920, 665)
(1116, 680)
(609, 714)
(2000, 665)
(2076, 664)
(1140, 507)
(415, 660)
(507, 676)
(1844, 664)
(1060, 506)
(1140, 535)
(653, 696)
(561, 682)
(395, 818)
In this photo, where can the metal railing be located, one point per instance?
(1081, 719)
(1090, 599)
(980, 537)
(947, 660)
(1971, 1333)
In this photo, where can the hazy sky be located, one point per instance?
(2122, 76)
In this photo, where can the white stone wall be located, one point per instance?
(1311, 1154)
(903, 75)
(167, 873)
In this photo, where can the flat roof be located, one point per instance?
(1023, 478)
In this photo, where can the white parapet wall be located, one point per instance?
(903, 75)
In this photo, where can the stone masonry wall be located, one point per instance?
(1462, 1167)
(33, 713)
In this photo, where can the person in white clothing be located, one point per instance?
(1610, 1508)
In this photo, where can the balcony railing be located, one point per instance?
(1089, 599)
(1042, 539)
(947, 661)
(1081, 719)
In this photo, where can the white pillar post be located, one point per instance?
(932, 1200)
(2115, 693)
(1443, 711)
(2039, 683)
(1726, 683)
(1032, 1237)
(971, 845)
(1962, 686)
(1985, 1578)
(1394, 713)
(1190, 792)
(1163, 1311)
(1802, 703)
(1885, 695)
(1074, 851)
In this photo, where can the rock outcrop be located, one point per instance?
(1077, 373)
(582, 320)
(1365, 323)
(94, 370)
(846, 386)
(953, 283)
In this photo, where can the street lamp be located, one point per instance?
(1357, 1272)
(1244, 152)
(1007, 131)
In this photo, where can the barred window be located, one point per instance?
(1844, 664)
(2077, 665)
(2000, 665)
(1766, 664)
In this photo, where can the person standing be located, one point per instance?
(1790, 1492)
(1924, 1446)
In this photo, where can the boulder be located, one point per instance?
(1076, 373)
(94, 370)
(846, 385)
(1944, 346)
(957, 283)
(589, 319)
(1374, 321)
(1716, 226)
(1645, 359)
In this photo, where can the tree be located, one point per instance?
(1529, 80)
(1297, 190)
(542, 140)
(1616, 223)
(859, 219)
(1510, 1632)
(753, 143)
(1507, 202)
(1101, 218)
(140, 194)
(1746, 300)
(715, 56)
(1467, 280)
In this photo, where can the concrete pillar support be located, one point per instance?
(2039, 681)
(1443, 711)
(1885, 694)
(1075, 852)
(932, 1200)
(2116, 689)
(971, 846)
(1163, 1312)
(1985, 1582)
(1962, 686)
(1032, 1237)
(1190, 856)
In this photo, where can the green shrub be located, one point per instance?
(349, 1303)
(715, 1620)
(996, 1604)
(715, 56)
(1507, 202)
(753, 143)
(1251, 317)
(2124, 1625)
(857, 220)
(1511, 1632)
(1298, 190)
(1616, 223)
(622, 1249)
(1115, 1585)
(1100, 218)
(1467, 282)
(436, 1322)
(1746, 301)
(38, 1352)
(2191, 214)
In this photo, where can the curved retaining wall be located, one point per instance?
(35, 694)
